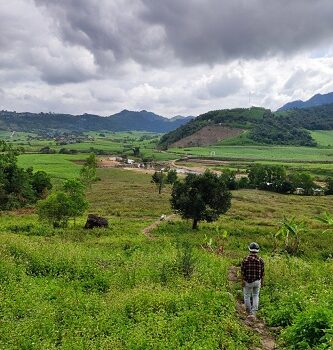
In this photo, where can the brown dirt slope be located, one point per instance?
(208, 135)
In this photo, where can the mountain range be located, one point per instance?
(122, 121)
(316, 100)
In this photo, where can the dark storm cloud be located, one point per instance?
(210, 31)
(195, 31)
(111, 30)
(172, 57)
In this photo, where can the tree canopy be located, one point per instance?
(59, 207)
(18, 186)
(200, 197)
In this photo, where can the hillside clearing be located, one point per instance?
(208, 135)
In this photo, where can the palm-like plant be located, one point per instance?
(326, 218)
(290, 232)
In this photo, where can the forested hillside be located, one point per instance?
(243, 118)
(264, 127)
(123, 121)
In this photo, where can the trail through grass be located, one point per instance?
(115, 289)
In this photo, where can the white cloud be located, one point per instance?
(104, 56)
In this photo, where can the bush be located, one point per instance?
(309, 329)
(20, 187)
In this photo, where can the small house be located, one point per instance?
(318, 192)
(299, 190)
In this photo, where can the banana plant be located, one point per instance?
(290, 232)
(327, 219)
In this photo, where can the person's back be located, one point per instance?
(252, 269)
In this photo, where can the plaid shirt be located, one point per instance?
(252, 268)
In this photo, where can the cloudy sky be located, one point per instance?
(168, 56)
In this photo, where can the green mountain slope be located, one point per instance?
(244, 118)
(281, 128)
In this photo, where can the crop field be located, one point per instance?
(59, 166)
(116, 289)
(273, 153)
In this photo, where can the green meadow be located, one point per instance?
(116, 289)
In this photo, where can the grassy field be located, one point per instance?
(116, 289)
(323, 137)
(273, 153)
(60, 166)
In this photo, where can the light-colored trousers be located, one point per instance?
(252, 290)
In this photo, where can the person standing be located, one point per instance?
(252, 269)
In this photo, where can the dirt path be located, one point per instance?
(148, 229)
(257, 325)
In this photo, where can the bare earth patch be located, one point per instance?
(208, 135)
(148, 229)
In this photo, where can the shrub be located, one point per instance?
(186, 260)
(309, 329)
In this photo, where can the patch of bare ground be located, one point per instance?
(252, 322)
(23, 211)
(208, 135)
(107, 163)
(148, 229)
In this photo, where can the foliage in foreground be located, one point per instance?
(19, 187)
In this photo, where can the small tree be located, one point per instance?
(55, 209)
(136, 151)
(171, 176)
(159, 178)
(268, 177)
(200, 197)
(18, 186)
(229, 177)
(88, 171)
(303, 180)
(60, 206)
(41, 184)
(77, 202)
